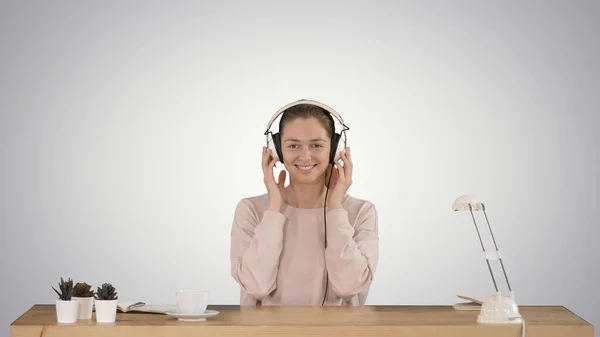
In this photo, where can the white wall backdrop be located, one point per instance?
(129, 130)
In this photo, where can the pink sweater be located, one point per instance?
(279, 258)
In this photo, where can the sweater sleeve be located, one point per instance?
(255, 248)
(352, 252)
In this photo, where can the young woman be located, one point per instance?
(278, 239)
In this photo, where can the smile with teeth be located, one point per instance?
(306, 168)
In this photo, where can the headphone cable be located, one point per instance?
(325, 222)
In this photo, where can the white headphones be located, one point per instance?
(338, 140)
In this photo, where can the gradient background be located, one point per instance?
(129, 130)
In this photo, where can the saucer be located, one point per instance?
(192, 317)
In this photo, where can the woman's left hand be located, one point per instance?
(341, 179)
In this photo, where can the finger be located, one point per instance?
(341, 169)
(347, 157)
(334, 178)
(281, 184)
(269, 161)
(281, 180)
(333, 173)
(347, 166)
(272, 164)
(264, 157)
(268, 171)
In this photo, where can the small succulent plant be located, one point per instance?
(66, 289)
(83, 290)
(107, 292)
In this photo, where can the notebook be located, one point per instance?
(473, 304)
(141, 306)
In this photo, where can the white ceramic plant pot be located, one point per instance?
(85, 307)
(66, 311)
(106, 311)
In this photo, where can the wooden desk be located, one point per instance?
(422, 321)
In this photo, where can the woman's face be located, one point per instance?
(305, 146)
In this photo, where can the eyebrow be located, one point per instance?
(312, 140)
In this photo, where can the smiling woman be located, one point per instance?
(309, 243)
(306, 144)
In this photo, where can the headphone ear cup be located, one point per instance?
(333, 154)
(277, 143)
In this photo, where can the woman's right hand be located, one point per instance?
(276, 190)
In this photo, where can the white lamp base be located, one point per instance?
(500, 309)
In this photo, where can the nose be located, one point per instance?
(305, 153)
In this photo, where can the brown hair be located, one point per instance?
(306, 111)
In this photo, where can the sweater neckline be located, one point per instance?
(310, 210)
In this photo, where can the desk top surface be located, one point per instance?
(41, 314)
(545, 318)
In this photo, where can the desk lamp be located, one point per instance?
(498, 308)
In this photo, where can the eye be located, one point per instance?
(292, 146)
(317, 145)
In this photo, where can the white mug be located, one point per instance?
(192, 301)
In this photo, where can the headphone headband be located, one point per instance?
(311, 102)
